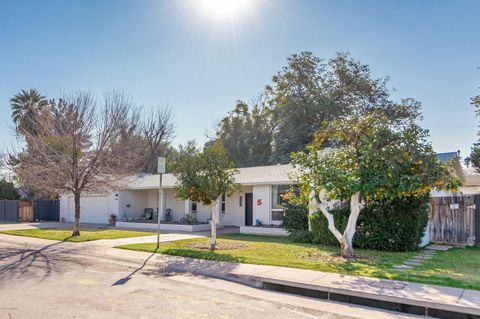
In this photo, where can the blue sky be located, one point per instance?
(171, 52)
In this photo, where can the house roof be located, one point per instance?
(456, 168)
(258, 175)
(264, 175)
(445, 157)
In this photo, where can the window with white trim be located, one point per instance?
(276, 211)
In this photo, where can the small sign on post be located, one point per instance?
(161, 165)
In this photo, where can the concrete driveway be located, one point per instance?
(19, 226)
(45, 279)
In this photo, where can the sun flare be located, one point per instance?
(224, 9)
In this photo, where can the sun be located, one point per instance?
(224, 9)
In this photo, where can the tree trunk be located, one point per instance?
(76, 225)
(214, 227)
(345, 239)
(312, 207)
(346, 248)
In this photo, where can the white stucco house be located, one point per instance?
(257, 201)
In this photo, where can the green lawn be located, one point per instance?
(455, 268)
(85, 234)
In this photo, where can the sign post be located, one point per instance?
(160, 170)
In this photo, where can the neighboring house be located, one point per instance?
(471, 183)
(259, 198)
(454, 159)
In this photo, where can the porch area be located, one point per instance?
(142, 206)
(250, 205)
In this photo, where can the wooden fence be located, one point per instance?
(452, 219)
(25, 212)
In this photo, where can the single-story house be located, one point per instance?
(258, 200)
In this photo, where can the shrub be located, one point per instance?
(295, 218)
(393, 225)
(301, 236)
(383, 225)
(320, 232)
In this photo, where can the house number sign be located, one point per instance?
(259, 202)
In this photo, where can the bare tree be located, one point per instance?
(77, 149)
(158, 130)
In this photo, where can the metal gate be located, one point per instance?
(452, 219)
(46, 210)
(8, 210)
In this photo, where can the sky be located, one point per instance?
(200, 59)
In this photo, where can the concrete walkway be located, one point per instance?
(140, 240)
(416, 261)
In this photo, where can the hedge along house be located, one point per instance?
(257, 201)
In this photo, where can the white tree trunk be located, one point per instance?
(213, 222)
(345, 239)
(347, 249)
(312, 207)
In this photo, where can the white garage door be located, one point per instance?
(93, 209)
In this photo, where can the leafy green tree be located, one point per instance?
(309, 92)
(27, 106)
(247, 133)
(177, 155)
(474, 158)
(204, 177)
(7, 190)
(372, 158)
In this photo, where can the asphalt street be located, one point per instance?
(46, 279)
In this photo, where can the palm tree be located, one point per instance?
(26, 106)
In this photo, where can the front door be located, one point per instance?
(248, 209)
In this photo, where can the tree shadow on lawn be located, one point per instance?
(21, 263)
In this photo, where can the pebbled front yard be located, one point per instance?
(455, 268)
(85, 234)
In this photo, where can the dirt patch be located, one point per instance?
(220, 245)
(330, 257)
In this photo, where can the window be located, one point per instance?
(222, 204)
(276, 213)
(240, 201)
(194, 207)
(277, 195)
